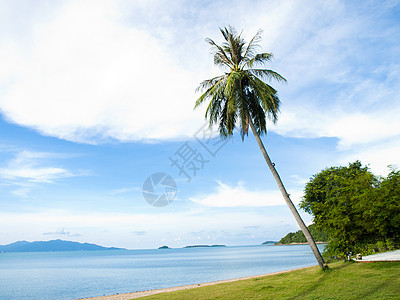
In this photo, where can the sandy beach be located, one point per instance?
(386, 256)
(136, 295)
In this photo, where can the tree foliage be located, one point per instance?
(358, 210)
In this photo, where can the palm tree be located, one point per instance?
(240, 96)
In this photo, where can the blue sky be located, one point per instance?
(95, 96)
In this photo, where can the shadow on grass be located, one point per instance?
(325, 275)
(377, 288)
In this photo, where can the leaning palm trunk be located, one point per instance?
(289, 202)
(240, 93)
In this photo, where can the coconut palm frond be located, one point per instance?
(259, 60)
(241, 95)
(244, 119)
(232, 87)
(209, 82)
(227, 122)
(227, 32)
(233, 46)
(220, 56)
(266, 96)
(252, 46)
(214, 85)
(267, 74)
(257, 115)
(213, 111)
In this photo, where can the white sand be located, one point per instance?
(386, 256)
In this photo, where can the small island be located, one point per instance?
(164, 247)
(204, 246)
(269, 243)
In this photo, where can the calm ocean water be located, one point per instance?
(71, 275)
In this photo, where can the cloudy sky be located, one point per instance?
(96, 96)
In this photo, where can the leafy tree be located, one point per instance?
(385, 212)
(357, 209)
(241, 96)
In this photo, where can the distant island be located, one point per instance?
(204, 246)
(54, 245)
(164, 247)
(269, 243)
(295, 238)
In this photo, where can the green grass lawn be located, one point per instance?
(380, 280)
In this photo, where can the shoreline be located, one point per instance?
(139, 294)
(290, 244)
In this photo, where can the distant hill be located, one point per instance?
(54, 245)
(298, 236)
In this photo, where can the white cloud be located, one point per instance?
(239, 196)
(113, 69)
(21, 192)
(378, 157)
(124, 190)
(139, 232)
(29, 167)
(91, 71)
(88, 77)
(343, 76)
(61, 231)
(352, 129)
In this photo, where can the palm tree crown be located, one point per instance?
(240, 94)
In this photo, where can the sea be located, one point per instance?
(80, 274)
